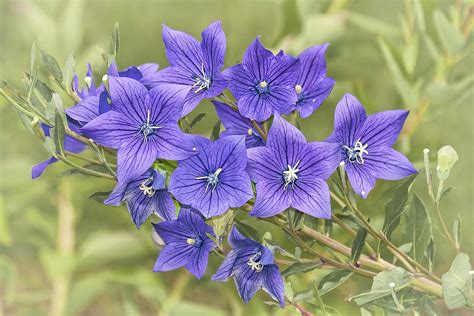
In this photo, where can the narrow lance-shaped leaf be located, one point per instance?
(358, 244)
(332, 280)
(300, 267)
(395, 208)
(216, 130)
(99, 196)
(58, 134)
(452, 38)
(115, 44)
(68, 72)
(418, 228)
(197, 119)
(457, 231)
(319, 301)
(52, 66)
(247, 230)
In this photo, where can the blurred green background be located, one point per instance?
(62, 253)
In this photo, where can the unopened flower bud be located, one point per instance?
(447, 157)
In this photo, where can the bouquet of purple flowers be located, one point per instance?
(136, 123)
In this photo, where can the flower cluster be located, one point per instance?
(138, 111)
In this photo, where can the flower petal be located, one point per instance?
(111, 129)
(273, 284)
(198, 262)
(387, 163)
(313, 99)
(38, 169)
(183, 50)
(148, 69)
(226, 268)
(172, 144)
(240, 80)
(284, 71)
(258, 107)
(248, 281)
(271, 199)
(257, 59)
(129, 97)
(283, 136)
(348, 120)
(86, 110)
(361, 178)
(383, 128)
(165, 105)
(313, 67)
(134, 158)
(213, 46)
(311, 196)
(174, 256)
(320, 160)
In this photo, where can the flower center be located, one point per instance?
(262, 87)
(298, 89)
(354, 154)
(146, 187)
(212, 179)
(203, 81)
(254, 262)
(148, 128)
(196, 242)
(291, 175)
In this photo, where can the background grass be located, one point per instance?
(63, 253)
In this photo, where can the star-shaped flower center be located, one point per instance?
(354, 154)
(212, 179)
(147, 188)
(291, 175)
(262, 87)
(148, 128)
(203, 81)
(254, 262)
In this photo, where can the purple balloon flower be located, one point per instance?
(95, 101)
(312, 85)
(195, 67)
(144, 196)
(215, 179)
(252, 267)
(289, 172)
(187, 243)
(70, 144)
(263, 83)
(236, 124)
(142, 126)
(365, 143)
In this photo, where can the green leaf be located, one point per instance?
(115, 44)
(58, 133)
(382, 286)
(34, 50)
(319, 301)
(100, 196)
(418, 228)
(457, 231)
(289, 291)
(446, 192)
(247, 230)
(68, 72)
(300, 267)
(407, 90)
(420, 15)
(457, 282)
(373, 25)
(52, 66)
(332, 280)
(430, 253)
(395, 208)
(295, 219)
(216, 130)
(197, 119)
(358, 244)
(450, 37)
(222, 224)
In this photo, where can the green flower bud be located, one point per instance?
(447, 157)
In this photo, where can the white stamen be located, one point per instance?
(298, 89)
(190, 241)
(250, 131)
(290, 175)
(263, 84)
(212, 179)
(202, 83)
(257, 266)
(147, 190)
(88, 81)
(355, 154)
